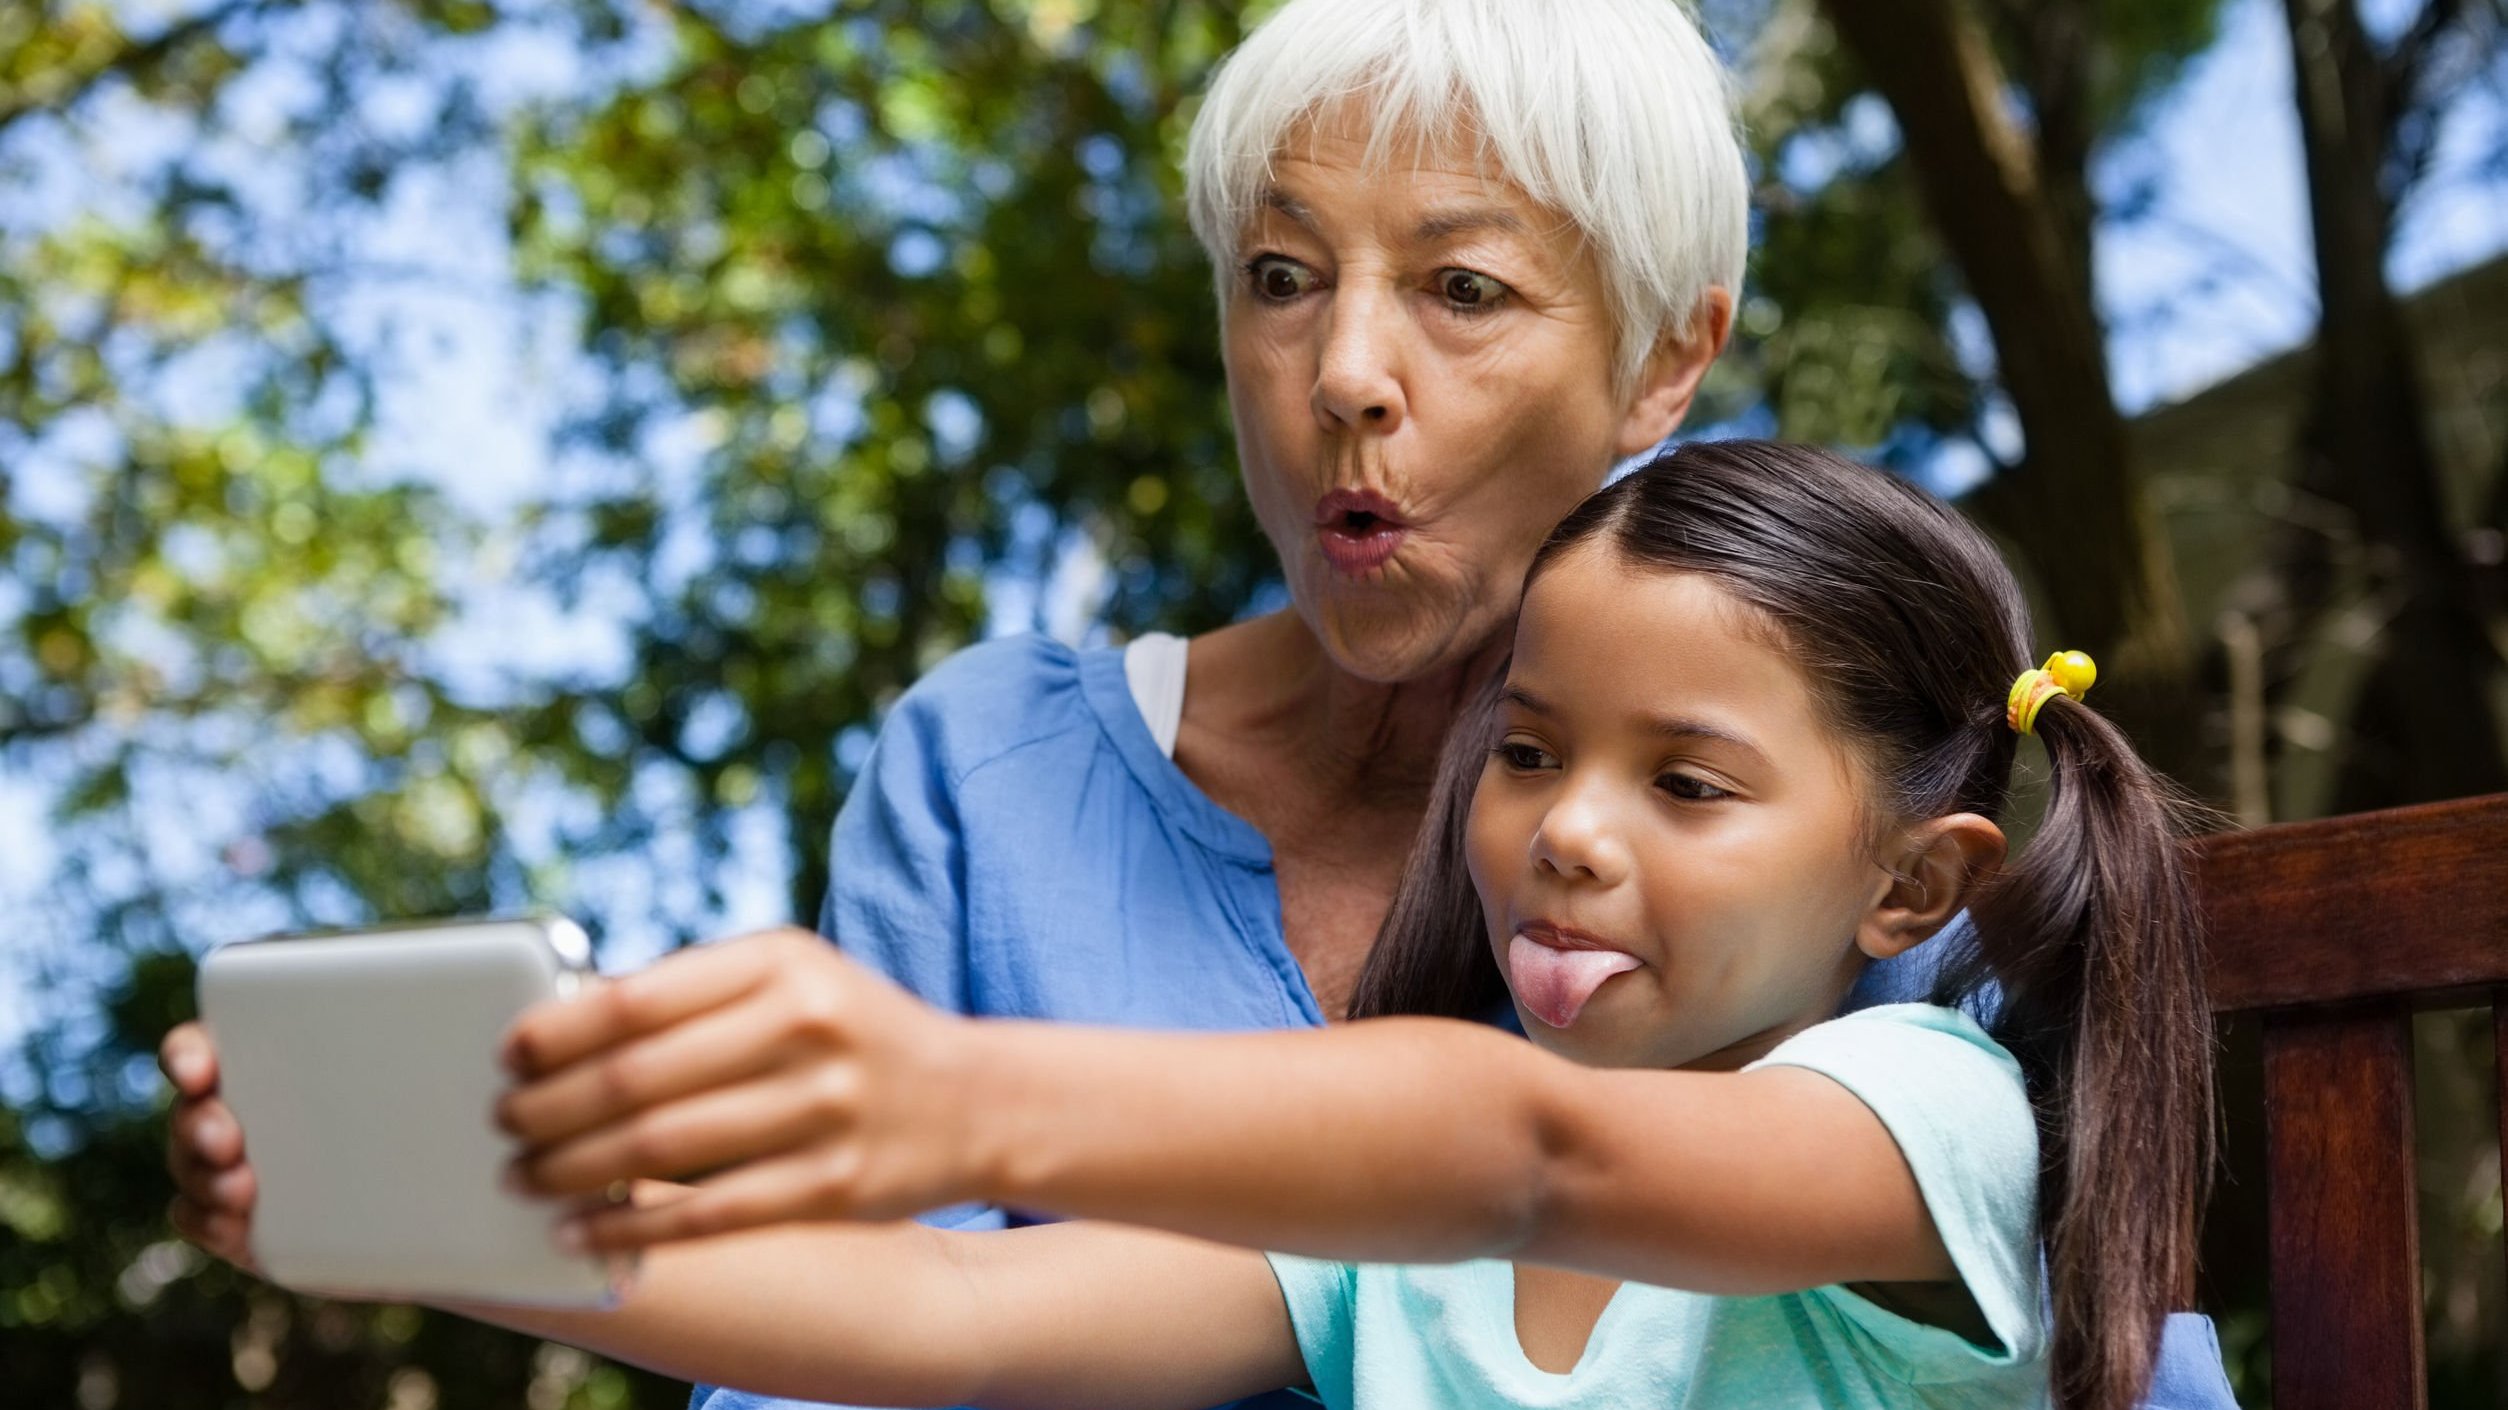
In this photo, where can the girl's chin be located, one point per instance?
(1612, 1031)
(1593, 1040)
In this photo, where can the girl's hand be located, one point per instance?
(214, 1186)
(808, 1086)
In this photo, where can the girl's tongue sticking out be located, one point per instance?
(1553, 983)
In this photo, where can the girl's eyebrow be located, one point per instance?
(1673, 726)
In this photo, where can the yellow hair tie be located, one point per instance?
(2065, 673)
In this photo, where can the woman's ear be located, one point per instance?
(1669, 381)
(1939, 866)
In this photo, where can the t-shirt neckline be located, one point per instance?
(1501, 1305)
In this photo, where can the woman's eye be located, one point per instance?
(1279, 279)
(1468, 291)
(1691, 790)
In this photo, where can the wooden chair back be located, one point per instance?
(2334, 932)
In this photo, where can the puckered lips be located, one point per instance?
(1555, 969)
(1358, 530)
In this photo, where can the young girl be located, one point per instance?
(1758, 729)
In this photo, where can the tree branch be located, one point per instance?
(2412, 54)
(2075, 506)
(2366, 441)
(2420, 78)
(2055, 39)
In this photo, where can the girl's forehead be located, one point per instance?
(1635, 661)
(1638, 641)
(1595, 575)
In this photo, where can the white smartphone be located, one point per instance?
(363, 1067)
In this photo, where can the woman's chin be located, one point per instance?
(1390, 630)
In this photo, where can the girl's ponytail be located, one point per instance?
(2093, 936)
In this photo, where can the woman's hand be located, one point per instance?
(808, 1086)
(214, 1184)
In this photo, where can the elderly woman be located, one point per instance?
(1469, 254)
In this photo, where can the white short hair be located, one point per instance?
(1615, 113)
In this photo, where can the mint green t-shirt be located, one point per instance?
(1442, 1336)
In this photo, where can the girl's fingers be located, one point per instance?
(204, 1136)
(233, 1191)
(553, 1035)
(699, 1133)
(189, 1060)
(191, 1221)
(221, 1235)
(715, 1049)
(753, 1196)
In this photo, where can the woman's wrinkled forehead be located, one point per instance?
(1425, 187)
(1353, 131)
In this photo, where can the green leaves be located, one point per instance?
(911, 277)
(868, 319)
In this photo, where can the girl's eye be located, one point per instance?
(1691, 789)
(1518, 755)
(1278, 279)
(1467, 292)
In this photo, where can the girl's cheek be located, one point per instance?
(1476, 860)
(1493, 842)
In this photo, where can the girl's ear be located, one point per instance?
(1940, 864)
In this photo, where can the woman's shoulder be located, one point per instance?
(992, 699)
(999, 731)
(1000, 670)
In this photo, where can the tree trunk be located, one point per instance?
(2074, 505)
(2424, 722)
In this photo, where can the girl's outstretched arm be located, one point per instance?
(816, 1090)
(901, 1314)
(1411, 1140)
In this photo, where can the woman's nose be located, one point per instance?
(1577, 841)
(1358, 383)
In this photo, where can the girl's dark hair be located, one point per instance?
(1911, 630)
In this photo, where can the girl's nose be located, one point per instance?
(1576, 839)
(1358, 382)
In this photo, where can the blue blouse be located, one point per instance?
(1018, 846)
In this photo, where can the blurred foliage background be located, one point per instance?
(458, 455)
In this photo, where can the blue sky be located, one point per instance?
(2222, 274)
